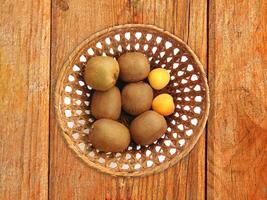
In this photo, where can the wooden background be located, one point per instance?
(229, 161)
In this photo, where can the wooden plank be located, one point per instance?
(237, 131)
(72, 23)
(24, 98)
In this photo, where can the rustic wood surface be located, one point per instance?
(237, 128)
(77, 180)
(229, 161)
(24, 99)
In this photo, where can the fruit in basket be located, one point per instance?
(136, 98)
(148, 127)
(106, 104)
(109, 136)
(101, 72)
(134, 66)
(159, 78)
(163, 104)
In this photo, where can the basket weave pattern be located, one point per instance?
(188, 86)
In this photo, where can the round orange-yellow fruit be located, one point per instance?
(159, 78)
(163, 104)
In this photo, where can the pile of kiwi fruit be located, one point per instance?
(119, 87)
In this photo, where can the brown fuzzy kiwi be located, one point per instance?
(106, 104)
(109, 136)
(134, 66)
(136, 98)
(148, 127)
(101, 72)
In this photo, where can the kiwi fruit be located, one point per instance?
(106, 104)
(101, 72)
(109, 136)
(136, 98)
(148, 127)
(134, 66)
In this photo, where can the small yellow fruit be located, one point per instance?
(163, 104)
(158, 78)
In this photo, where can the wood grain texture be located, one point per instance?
(72, 22)
(237, 60)
(24, 98)
(237, 130)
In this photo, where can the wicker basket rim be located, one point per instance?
(69, 141)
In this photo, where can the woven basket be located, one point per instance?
(188, 86)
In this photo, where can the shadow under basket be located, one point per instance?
(188, 86)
